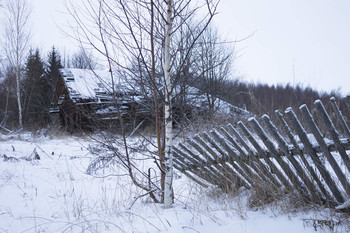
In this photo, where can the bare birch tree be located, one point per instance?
(167, 110)
(16, 41)
(83, 59)
(135, 38)
(213, 66)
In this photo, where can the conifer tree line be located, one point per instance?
(39, 77)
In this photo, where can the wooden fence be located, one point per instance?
(292, 158)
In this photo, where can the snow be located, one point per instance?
(88, 84)
(97, 86)
(54, 194)
(344, 205)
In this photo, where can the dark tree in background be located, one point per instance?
(35, 85)
(8, 102)
(52, 71)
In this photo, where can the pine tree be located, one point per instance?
(35, 85)
(52, 71)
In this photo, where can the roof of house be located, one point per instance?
(96, 86)
(83, 84)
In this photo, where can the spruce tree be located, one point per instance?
(52, 71)
(35, 103)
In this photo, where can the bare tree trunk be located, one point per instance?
(17, 38)
(18, 93)
(168, 200)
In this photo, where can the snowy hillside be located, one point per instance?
(54, 194)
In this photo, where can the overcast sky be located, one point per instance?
(292, 41)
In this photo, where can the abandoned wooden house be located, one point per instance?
(84, 98)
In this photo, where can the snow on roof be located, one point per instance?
(90, 84)
(84, 84)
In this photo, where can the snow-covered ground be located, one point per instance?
(54, 194)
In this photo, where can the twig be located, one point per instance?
(145, 194)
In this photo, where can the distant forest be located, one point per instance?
(40, 76)
(265, 99)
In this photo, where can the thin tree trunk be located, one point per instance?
(168, 194)
(156, 103)
(18, 91)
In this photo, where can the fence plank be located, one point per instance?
(308, 146)
(225, 158)
(302, 156)
(340, 117)
(260, 170)
(268, 143)
(201, 172)
(234, 157)
(333, 132)
(347, 101)
(229, 159)
(229, 173)
(204, 166)
(316, 132)
(284, 147)
(223, 180)
(240, 139)
(263, 154)
(182, 167)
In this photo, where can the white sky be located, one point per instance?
(295, 41)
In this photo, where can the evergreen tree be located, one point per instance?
(52, 71)
(35, 85)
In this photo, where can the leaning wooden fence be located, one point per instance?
(293, 158)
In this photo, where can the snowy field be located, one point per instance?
(54, 194)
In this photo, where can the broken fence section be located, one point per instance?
(293, 158)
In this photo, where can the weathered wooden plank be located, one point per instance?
(203, 165)
(268, 143)
(240, 139)
(225, 182)
(225, 158)
(233, 158)
(316, 132)
(347, 101)
(195, 159)
(179, 166)
(213, 144)
(264, 156)
(303, 158)
(308, 146)
(332, 132)
(255, 162)
(229, 173)
(249, 161)
(203, 173)
(340, 117)
(186, 159)
(243, 154)
(284, 148)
